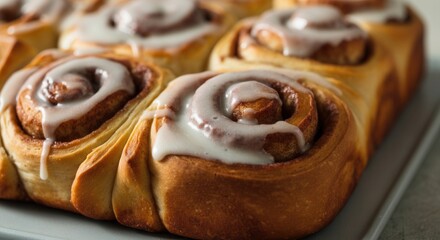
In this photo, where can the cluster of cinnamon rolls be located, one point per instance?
(108, 108)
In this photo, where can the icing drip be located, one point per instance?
(66, 92)
(47, 144)
(176, 27)
(393, 10)
(304, 30)
(199, 127)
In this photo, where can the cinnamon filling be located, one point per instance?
(253, 103)
(70, 87)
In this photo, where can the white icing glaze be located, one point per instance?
(102, 32)
(200, 128)
(12, 86)
(188, 141)
(393, 10)
(247, 92)
(315, 15)
(300, 38)
(113, 77)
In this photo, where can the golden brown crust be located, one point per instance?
(17, 49)
(94, 184)
(13, 55)
(405, 42)
(205, 199)
(133, 200)
(10, 184)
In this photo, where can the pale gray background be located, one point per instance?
(417, 216)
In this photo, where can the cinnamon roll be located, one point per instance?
(392, 23)
(172, 33)
(319, 39)
(260, 153)
(65, 119)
